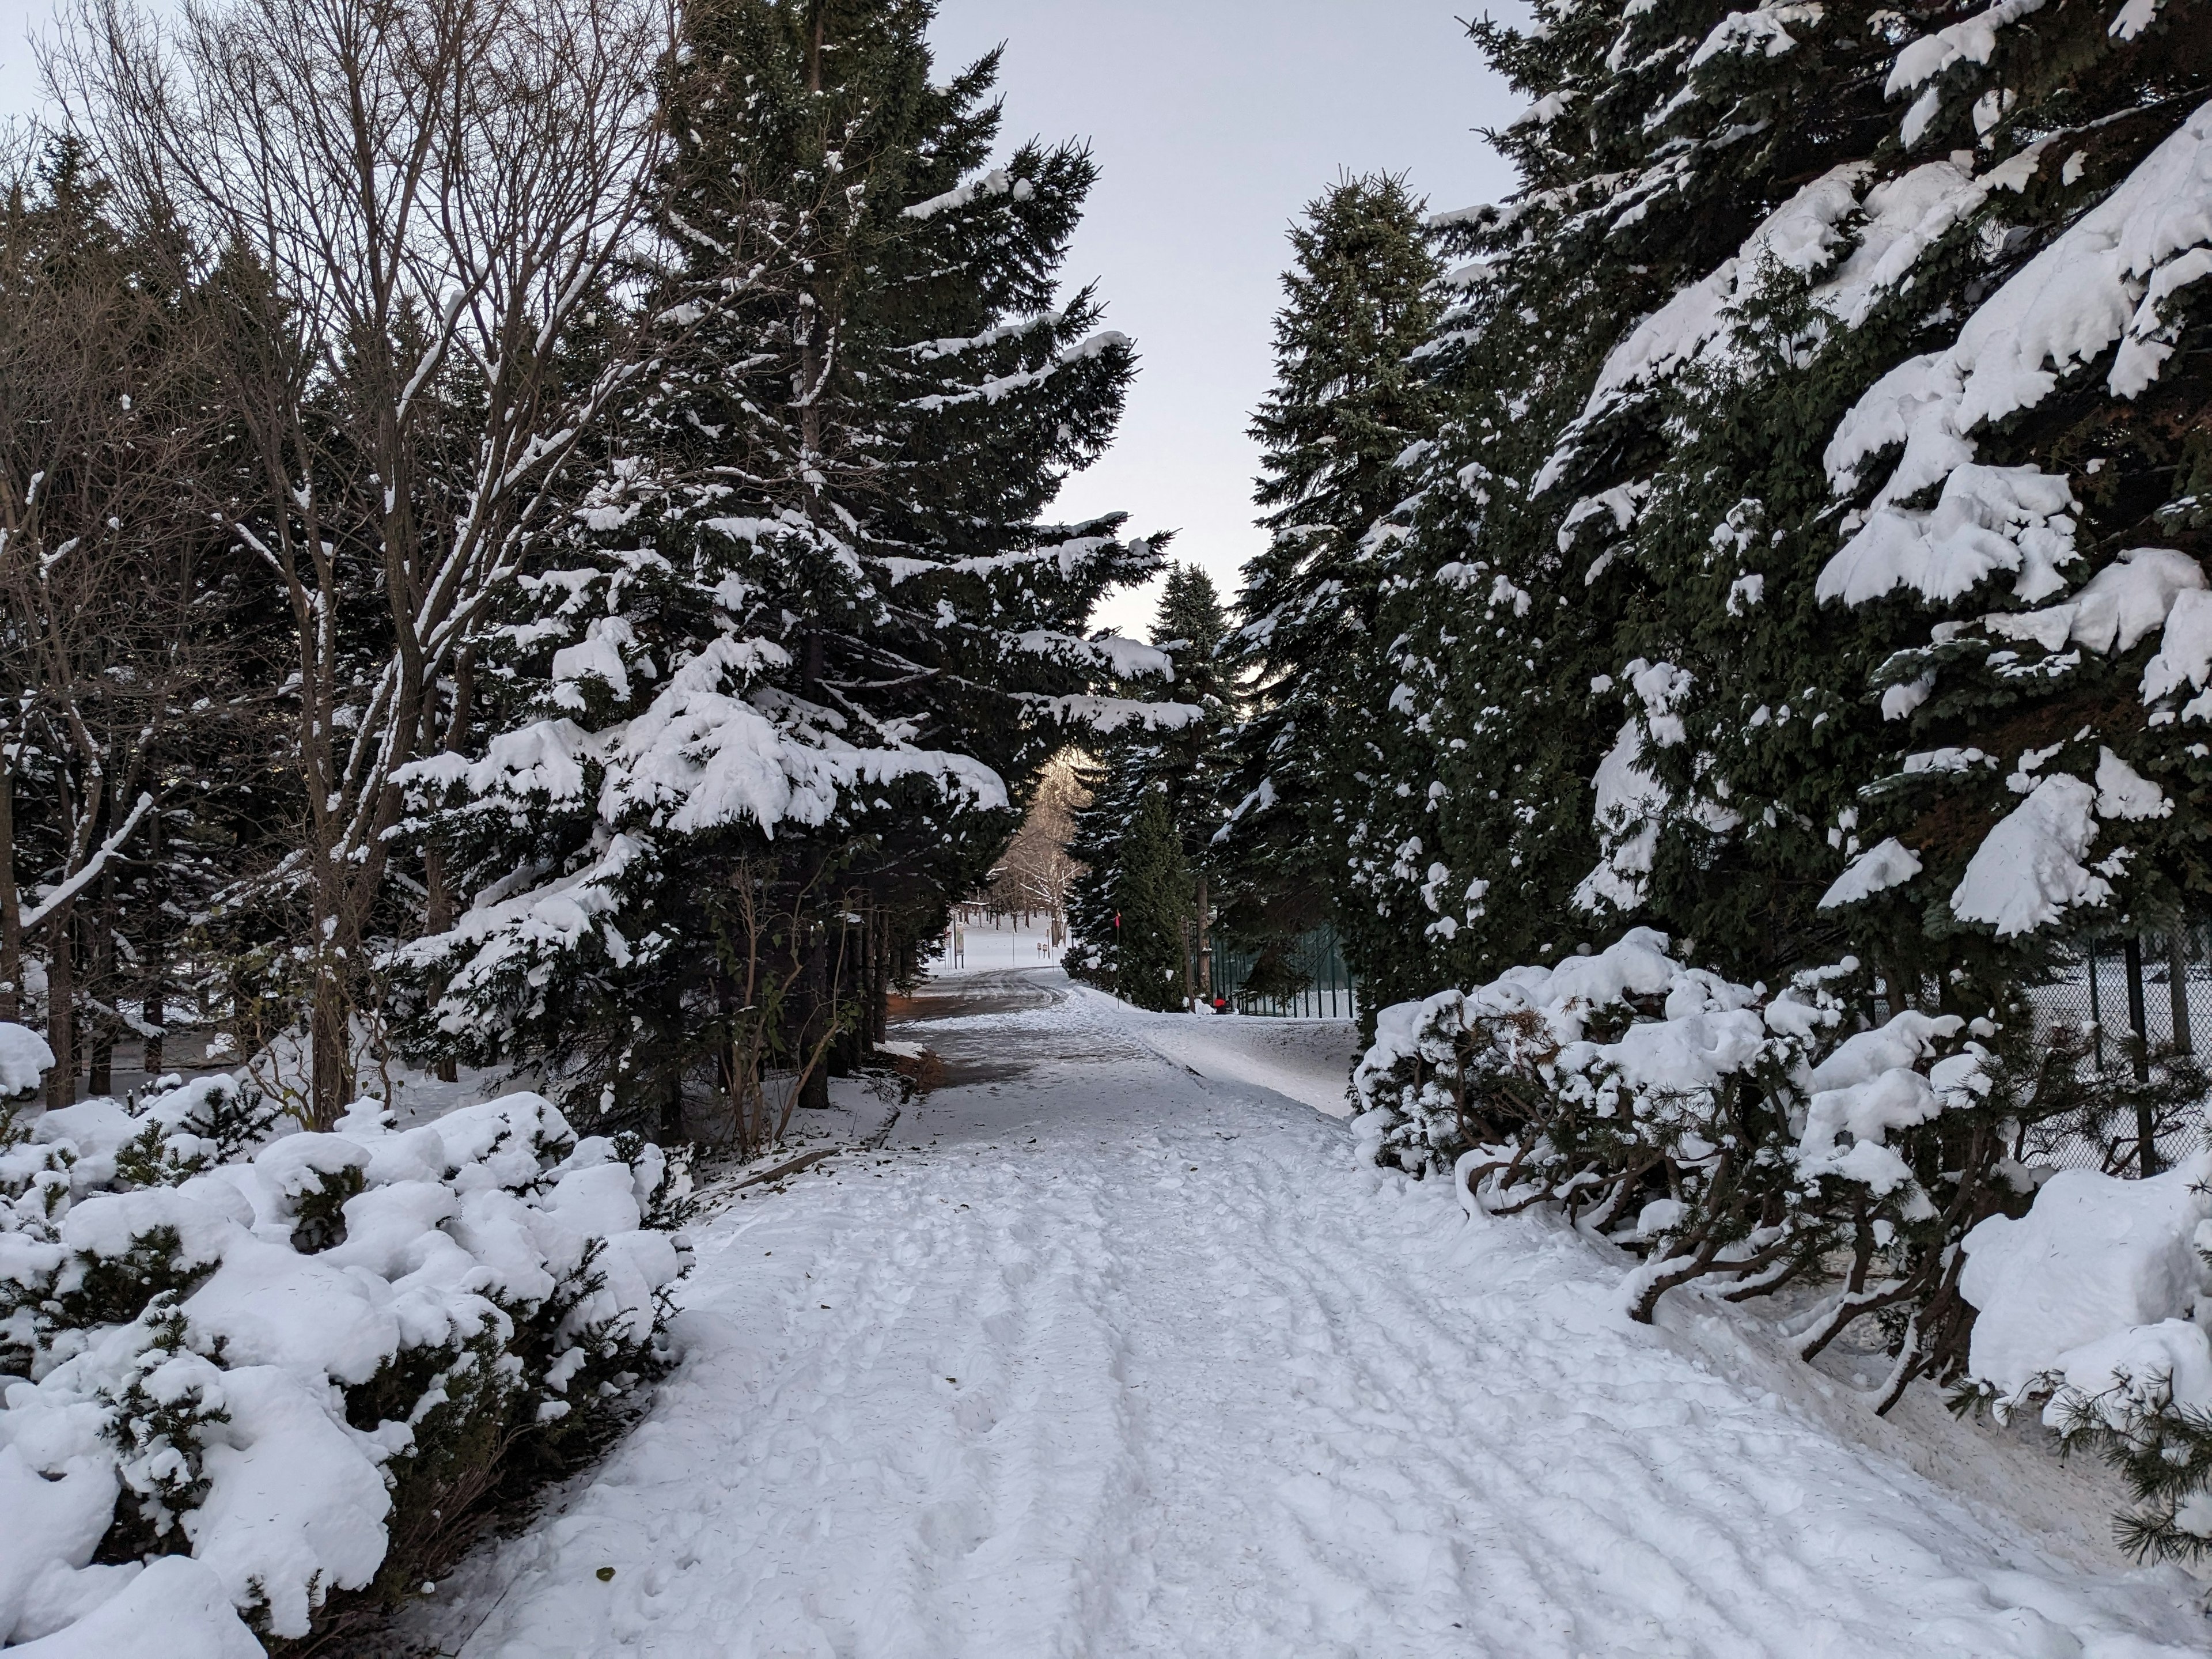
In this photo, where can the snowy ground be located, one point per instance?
(1100, 1357)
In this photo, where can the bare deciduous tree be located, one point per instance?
(100, 417)
(412, 214)
(1037, 872)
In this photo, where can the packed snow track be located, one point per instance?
(1102, 1357)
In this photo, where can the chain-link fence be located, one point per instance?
(1303, 978)
(2132, 1003)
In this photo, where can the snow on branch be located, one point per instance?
(930, 350)
(991, 391)
(1874, 871)
(84, 878)
(2101, 283)
(997, 182)
(1109, 715)
(1069, 556)
(1125, 660)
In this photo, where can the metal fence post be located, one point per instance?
(2176, 982)
(2146, 1120)
(2138, 1026)
(2096, 1008)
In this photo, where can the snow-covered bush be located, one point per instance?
(1716, 1129)
(2095, 1305)
(300, 1360)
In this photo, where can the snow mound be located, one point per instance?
(24, 1059)
(2070, 1289)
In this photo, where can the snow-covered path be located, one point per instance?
(1111, 1359)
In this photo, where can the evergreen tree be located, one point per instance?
(1348, 401)
(1192, 628)
(1752, 734)
(129, 742)
(1178, 770)
(1511, 826)
(2046, 505)
(780, 701)
(1154, 904)
(1760, 375)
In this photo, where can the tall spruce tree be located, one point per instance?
(1660, 137)
(1149, 887)
(2035, 478)
(1129, 910)
(1349, 399)
(779, 698)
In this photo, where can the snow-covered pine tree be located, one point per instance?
(1660, 137)
(1751, 731)
(778, 701)
(2035, 475)
(1346, 403)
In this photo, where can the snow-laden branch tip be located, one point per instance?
(997, 182)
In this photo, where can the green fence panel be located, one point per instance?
(1318, 984)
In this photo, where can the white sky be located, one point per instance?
(1213, 122)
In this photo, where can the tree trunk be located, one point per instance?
(2147, 1159)
(101, 967)
(330, 1034)
(11, 902)
(672, 1112)
(814, 1019)
(61, 1012)
(1205, 947)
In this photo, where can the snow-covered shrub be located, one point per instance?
(299, 1360)
(1715, 1129)
(2096, 1305)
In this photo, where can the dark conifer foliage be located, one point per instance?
(1806, 564)
(1148, 838)
(1350, 399)
(780, 698)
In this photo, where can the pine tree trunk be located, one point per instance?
(2176, 985)
(1205, 948)
(672, 1112)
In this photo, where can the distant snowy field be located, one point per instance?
(1101, 1357)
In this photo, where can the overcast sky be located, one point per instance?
(1213, 122)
